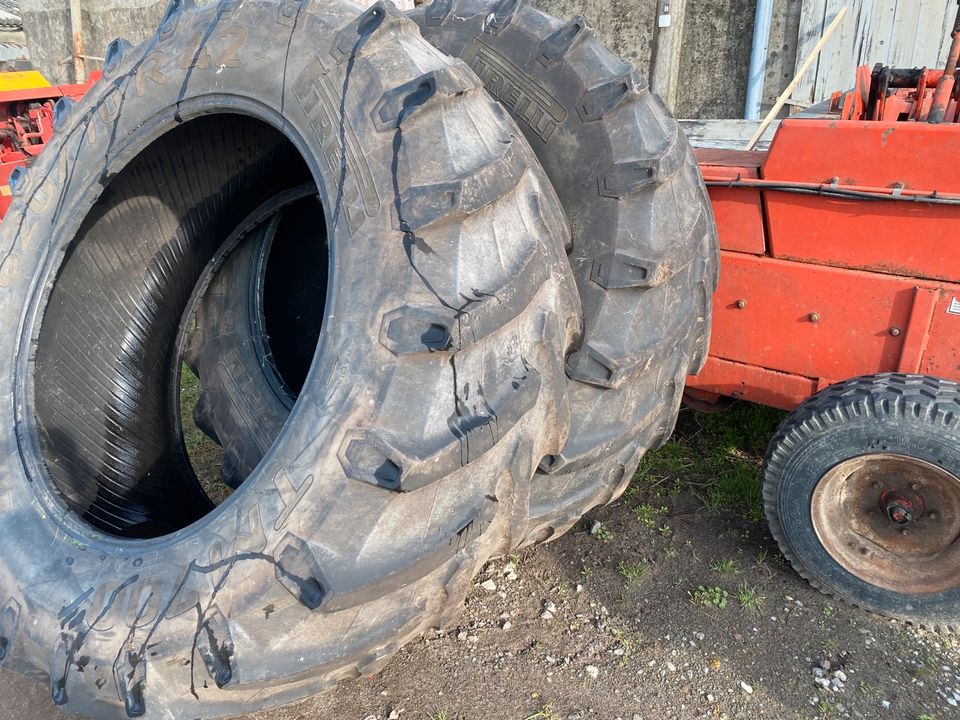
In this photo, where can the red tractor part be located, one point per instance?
(26, 109)
(839, 247)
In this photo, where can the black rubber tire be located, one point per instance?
(644, 247)
(910, 415)
(400, 470)
(230, 334)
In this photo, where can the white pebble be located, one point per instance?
(746, 688)
(593, 671)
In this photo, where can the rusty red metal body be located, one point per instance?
(840, 249)
(26, 124)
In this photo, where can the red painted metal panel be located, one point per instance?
(739, 212)
(811, 320)
(756, 384)
(942, 352)
(903, 238)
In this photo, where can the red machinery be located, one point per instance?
(26, 106)
(840, 247)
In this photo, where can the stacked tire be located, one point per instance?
(441, 278)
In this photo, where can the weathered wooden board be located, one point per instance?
(902, 33)
(726, 134)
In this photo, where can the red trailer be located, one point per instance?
(839, 299)
(840, 247)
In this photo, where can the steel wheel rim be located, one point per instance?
(892, 521)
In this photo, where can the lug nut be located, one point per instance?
(741, 304)
(916, 486)
(814, 317)
(895, 331)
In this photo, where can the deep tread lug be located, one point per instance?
(437, 11)
(116, 51)
(619, 270)
(399, 104)
(601, 99)
(367, 455)
(371, 23)
(558, 45)
(424, 205)
(215, 647)
(298, 571)
(630, 176)
(9, 621)
(62, 112)
(501, 16)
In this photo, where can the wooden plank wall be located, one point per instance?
(901, 33)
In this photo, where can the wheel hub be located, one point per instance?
(892, 521)
(902, 508)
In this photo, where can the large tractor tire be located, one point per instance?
(404, 465)
(644, 247)
(861, 486)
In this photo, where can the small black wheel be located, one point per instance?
(861, 487)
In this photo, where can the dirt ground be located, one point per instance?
(671, 603)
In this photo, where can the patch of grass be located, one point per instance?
(602, 533)
(927, 668)
(205, 455)
(724, 567)
(710, 597)
(439, 714)
(546, 712)
(632, 571)
(827, 709)
(749, 597)
(648, 515)
(718, 456)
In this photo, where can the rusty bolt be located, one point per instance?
(895, 331)
(932, 515)
(916, 486)
(741, 304)
(814, 317)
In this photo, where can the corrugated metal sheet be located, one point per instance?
(902, 33)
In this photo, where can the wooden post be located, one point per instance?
(665, 73)
(76, 33)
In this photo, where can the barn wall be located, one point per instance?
(716, 40)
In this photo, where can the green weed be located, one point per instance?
(710, 597)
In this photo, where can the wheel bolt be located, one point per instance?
(932, 515)
(904, 531)
(916, 486)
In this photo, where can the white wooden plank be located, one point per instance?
(837, 67)
(726, 134)
(812, 25)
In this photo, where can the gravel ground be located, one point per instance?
(659, 606)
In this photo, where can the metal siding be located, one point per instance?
(902, 33)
